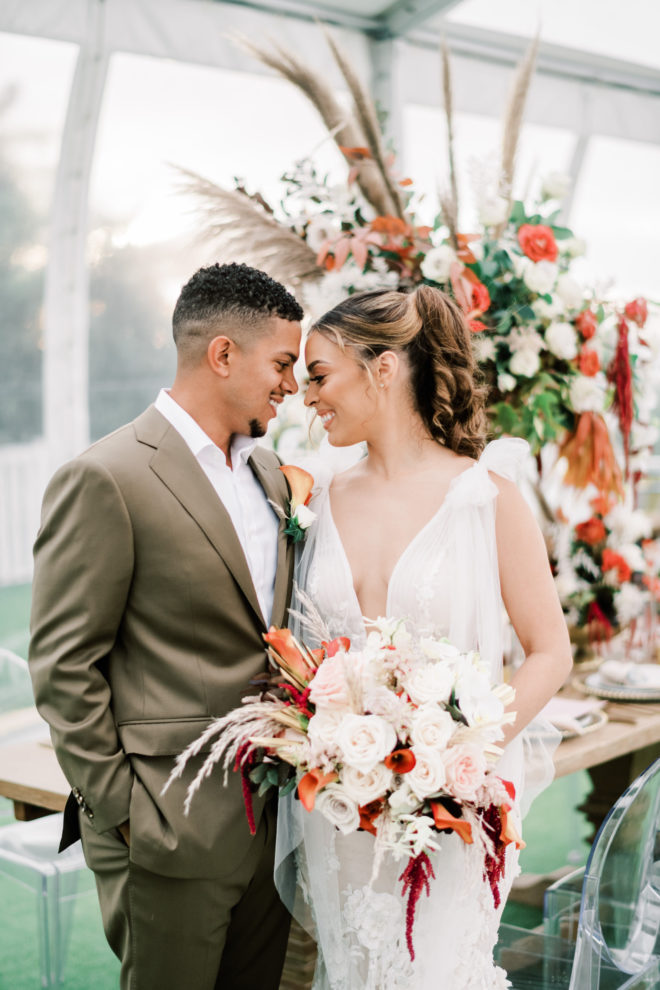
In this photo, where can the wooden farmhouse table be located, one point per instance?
(614, 754)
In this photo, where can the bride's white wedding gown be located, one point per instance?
(445, 583)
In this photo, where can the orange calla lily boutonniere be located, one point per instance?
(299, 518)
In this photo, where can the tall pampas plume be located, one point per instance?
(512, 123)
(449, 198)
(366, 115)
(245, 231)
(341, 123)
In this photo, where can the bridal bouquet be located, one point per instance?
(398, 739)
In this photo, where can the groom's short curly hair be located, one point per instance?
(232, 300)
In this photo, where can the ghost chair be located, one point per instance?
(34, 877)
(601, 924)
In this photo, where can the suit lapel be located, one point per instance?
(275, 486)
(175, 465)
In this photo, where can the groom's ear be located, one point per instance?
(219, 355)
(387, 367)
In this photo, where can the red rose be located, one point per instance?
(588, 362)
(480, 298)
(586, 323)
(637, 311)
(592, 531)
(537, 242)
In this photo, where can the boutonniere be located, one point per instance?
(299, 517)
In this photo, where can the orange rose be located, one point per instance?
(615, 562)
(592, 531)
(476, 326)
(586, 323)
(480, 298)
(588, 362)
(637, 311)
(537, 242)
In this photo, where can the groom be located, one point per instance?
(158, 566)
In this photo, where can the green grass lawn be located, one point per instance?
(554, 831)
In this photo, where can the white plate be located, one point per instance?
(589, 723)
(596, 684)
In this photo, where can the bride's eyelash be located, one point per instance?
(316, 379)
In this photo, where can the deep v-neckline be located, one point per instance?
(404, 553)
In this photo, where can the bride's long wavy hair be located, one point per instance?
(430, 329)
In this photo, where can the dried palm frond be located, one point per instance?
(513, 119)
(340, 122)
(449, 200)
(366, 115)
(246, 232)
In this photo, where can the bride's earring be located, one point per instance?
(381, 385)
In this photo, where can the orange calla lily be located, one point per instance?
(369, 812)
(444, 819)
(283, 644)
(300, 481)
(400, 760)
(309, 786)
(509, 833)
(335, 645)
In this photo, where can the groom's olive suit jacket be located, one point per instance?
(145, 626)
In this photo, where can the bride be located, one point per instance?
(430, 528)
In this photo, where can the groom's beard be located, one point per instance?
(257, 429)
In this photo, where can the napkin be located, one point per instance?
(644, 675)
(569, 714)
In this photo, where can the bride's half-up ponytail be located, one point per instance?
(445, 377)
(430, 329)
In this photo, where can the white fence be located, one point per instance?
(23, 477)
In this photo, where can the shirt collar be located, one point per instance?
(194, 436)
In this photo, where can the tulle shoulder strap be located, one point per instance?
(505, 457)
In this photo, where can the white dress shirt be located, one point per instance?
(239, 491)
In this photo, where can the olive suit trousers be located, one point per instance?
(227, 933)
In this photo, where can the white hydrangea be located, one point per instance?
(525, 338)
(588, 394)
(525, 363)
(540, 276)
(483, 347)
(561, 340)
(437, 263)
(627, 525)
(574, 247)
(570, 292)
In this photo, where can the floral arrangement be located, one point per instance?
(608, 575)
(398, 739)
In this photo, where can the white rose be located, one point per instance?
(428, 775)
(320, 229)
(402, 801)
(322, 732)
(561, 340)
(305, 516)
(628, 525)
(633, 556)
(540, 277)
(506, 383)
(465, 768)
(437, 262)
(587, 394)
(555, 185)
(547, 310)
(364, 740)
(570, 292)
(366, 787)
(525, 363)
(381, 701)
(430, 682)
(438, 649)
(493, 211)
(574, 247)
(338, 808)
(432, 726)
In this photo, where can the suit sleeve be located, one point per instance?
(83, 569)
